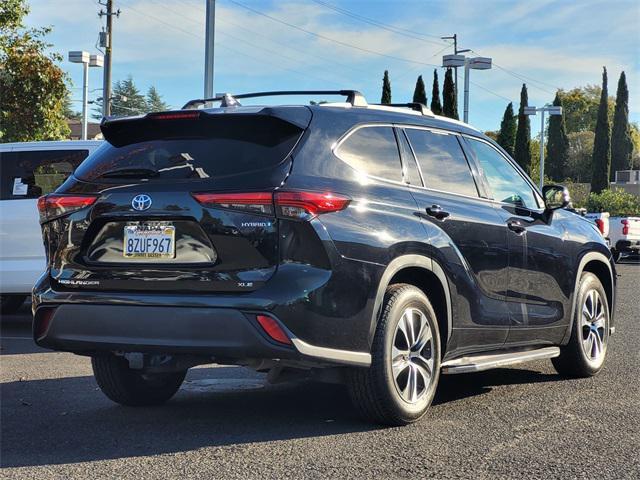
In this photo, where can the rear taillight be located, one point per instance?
(174, 115)
(306, 205)
(600, 225)
(625, 226)
(288, 204)
(257, 202)
(273, 329)
(53, 205)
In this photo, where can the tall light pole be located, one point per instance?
(210, 19)
(454, 37)
(552, 110)
(473, 63)
(80, 56)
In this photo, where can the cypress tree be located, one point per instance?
(601, 160)
(436, 106)
(386, 88)
(507, 134)
(621, 141)
(449, 101)
(419, 94)
(522, 150)
(557, 160)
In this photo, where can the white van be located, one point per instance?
(27, 171)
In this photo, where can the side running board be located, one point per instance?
(478, 363)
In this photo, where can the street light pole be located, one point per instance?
(210, 19)
(542, 110)
(552, 110)
(85, 98)
(466, 90)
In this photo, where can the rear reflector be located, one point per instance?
(294, 205)
(41, 321)
(273, 329)
(258, 202)
(54, 205)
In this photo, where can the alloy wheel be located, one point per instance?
(593, 326)
(412, 355)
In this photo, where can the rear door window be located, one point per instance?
(32, 173)
(374, 151)
(442, 162)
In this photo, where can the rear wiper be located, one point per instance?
(135, 172)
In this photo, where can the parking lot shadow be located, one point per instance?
(68, 420)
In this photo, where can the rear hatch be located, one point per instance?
(175, 201)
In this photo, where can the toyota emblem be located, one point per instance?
(141, 202)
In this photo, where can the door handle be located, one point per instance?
(437, 212)
(516, 226)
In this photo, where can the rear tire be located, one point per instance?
(11, 303)
(133, 387)
(400, 384)
(586, 351)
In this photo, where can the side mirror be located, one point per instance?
(555, 196)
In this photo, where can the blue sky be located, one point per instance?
(548, 44)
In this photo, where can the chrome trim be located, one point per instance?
(346, 357)
(478, 363)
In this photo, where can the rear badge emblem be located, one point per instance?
(141, 202)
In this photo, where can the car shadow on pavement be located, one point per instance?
(68, 420)
(458, 387)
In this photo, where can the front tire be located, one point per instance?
(131, 387)
(585, 353)
(400, 384)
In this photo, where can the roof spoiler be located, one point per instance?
(354, 97)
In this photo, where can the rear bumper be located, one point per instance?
(628, 245)
(218, 332)
(225, 334)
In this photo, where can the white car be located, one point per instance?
(625, 236)
(27, 171)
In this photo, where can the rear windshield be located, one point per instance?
(29, 174)
(201, 149)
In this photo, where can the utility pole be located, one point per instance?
(210, 25)
(454, 37)
(106, 41)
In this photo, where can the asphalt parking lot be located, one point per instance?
(521, 422)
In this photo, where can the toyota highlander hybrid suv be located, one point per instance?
(381, 246)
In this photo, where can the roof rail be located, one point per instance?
(354, 97)
(418, 107)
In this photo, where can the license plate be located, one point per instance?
(149, 241)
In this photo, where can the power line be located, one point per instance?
(490, 91)
(324, 37)
(385, 26)
(220, 44)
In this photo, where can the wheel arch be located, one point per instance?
(427, 275)
(598, 264)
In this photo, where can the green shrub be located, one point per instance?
(617, 202)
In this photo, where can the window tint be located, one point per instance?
(30, 174)
(373, 150)
(443, 164)
(214, 147)
(411, 174)
(506, 184)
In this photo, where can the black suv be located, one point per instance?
(377, 245)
